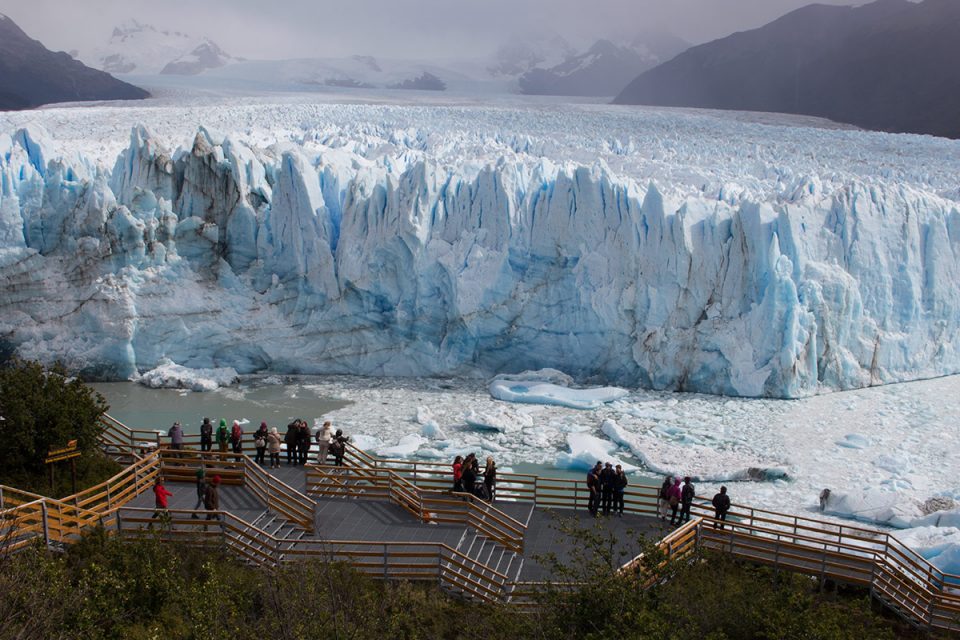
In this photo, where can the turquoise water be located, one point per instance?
(140, 407)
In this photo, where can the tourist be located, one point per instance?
(338, 447)
(686, 499)
(607, 478)
(273, 444)
(176, 436)
(619, 488)
(674, 495)
(211, 500)
(323, 442)
(236, 438)
(223, 436)
(458, 474)
(469, 476)
(260, 442)
(201, 489)
(721, 505)
(593, 486)
(290, 439)
(206, 435)
(303, 442)
(160, 495)
(663, 498)
(490, 478)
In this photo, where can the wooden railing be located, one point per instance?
(427, 506)
(898, 576)
(392, 560)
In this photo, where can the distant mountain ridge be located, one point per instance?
(31, 75)
(890, 65)
(602, 70)
(136, 47)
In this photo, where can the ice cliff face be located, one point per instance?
(307, 258)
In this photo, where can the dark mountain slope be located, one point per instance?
(32, 75)
(891, 65)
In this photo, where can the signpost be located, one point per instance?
(62, 454)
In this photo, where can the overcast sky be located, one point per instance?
(397, 28)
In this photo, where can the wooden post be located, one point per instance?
(46, 526)
(73, 474)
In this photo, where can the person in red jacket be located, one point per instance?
(160, 499)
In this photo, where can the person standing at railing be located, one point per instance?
(674, 494)
(303, 442)
(458, 474)
(490, 478)
(686, 499)
(593, 486)
(176, 436)
(236, 438)
(323, 442)
(721, 505)
(338, 447)
(206, 435)
(201, 489)
(290, 439)
(607, 477)
(273, 443)
(223, 436)
(260, 442)
(620, 483)
(211, 499)
(160, 494)
(663, 498)
(468, 478)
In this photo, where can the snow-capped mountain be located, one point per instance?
(520, 55)
(602, 70)
(32, 75)
(143, 49)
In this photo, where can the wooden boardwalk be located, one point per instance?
(378, 520)
(399, 519)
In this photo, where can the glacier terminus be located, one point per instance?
(662, 249)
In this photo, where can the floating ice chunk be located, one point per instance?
(854, 441)
(939, 545)
(432, 431)
(947, 518)
(407, 446)
(170, 375)
(503, 422)
(586, 450)
(535, 391)
(896, 463)
(873, 506)
(365, 442)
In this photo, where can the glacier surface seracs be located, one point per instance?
(388, 250)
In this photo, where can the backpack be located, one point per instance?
(236, 433)
(260, 442)
(688, 493)
(674, 501)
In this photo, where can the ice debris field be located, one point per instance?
(626, 247)
(644, 248)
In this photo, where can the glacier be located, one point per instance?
(655, 249)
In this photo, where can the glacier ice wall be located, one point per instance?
(321, 259)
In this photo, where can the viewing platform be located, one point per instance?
(400, 519)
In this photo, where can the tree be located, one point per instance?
(42, 408)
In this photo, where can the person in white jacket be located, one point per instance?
(323, 442)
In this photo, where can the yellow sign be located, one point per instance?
(63, 453)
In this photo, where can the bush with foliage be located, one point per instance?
(105, 589)
(42, 409)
